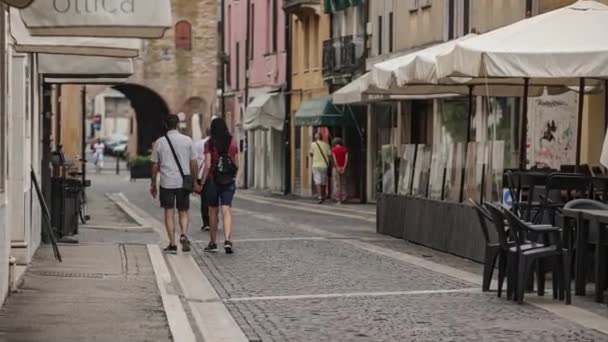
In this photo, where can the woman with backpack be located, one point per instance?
(222, 151)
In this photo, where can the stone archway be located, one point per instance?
(150, 112)
(195, 105)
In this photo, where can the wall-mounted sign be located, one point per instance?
(99, 18)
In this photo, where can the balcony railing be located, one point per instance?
(342, 54)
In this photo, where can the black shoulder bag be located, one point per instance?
(188, 181)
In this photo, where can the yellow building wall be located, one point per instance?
(71, 121)
(309, 32)
(489, 15)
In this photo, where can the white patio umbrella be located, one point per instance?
(562, 47)
(84, 46)
(107, 18)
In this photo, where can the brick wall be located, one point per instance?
(186, 79)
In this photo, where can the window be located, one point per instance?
(238, 65)
(275, 24)
(251, 33)
(380, 35)
(306, 54)
(183, 35)
(528, 8)
(314, 48)
(390, 32)
(228, 29)
(451, 9)
(466, 20)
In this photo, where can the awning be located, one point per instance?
(85, 81)
(361, 91)
(99, 18)
(556, 47)
(18, 3)
(85, 46)
(320, 111)
(69, 66)
(266, 111)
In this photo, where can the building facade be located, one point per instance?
(309, 28)
(182, 66)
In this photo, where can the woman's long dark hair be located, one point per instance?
(220, 136)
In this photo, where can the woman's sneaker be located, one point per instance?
(185, 243)
(228, 247)
(170, 249)
(211, 247)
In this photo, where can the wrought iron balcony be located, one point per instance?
(342, 54)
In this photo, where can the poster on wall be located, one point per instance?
(552, 130)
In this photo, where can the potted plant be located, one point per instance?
(140, 167)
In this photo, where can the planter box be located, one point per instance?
(141, 171)
(445, 226)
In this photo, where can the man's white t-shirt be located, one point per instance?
(199, 151)
(99, 149)
(170, 177)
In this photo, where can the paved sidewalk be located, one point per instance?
(105, 289)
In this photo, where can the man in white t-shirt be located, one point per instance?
(172, 194)
(99, 149)
(199, 152)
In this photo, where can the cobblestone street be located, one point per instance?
(302, 272)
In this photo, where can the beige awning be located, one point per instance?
(86, 46)
(99, 18)
(70, 66)
(18, 3)
(266, 111)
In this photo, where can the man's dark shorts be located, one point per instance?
(174, 198)
(219, 195)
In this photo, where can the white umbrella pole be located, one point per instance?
(524, 126)
(579, 131)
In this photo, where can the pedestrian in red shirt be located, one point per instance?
(340, 162)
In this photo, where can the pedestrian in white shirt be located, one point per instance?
(99, 149)
(174, 159)
(199, 151)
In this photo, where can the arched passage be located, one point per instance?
(195, 105)
(150, 111)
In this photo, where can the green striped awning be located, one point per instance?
(320, 111)
(339, 5)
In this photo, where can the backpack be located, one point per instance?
(225, 170)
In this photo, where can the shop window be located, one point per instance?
(183, 35)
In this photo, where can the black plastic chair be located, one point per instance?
(498, 221)
(493, 249)
(574, 185)
(582, 236)
(524, 257)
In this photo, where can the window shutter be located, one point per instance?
(413, 5)
(425, 3)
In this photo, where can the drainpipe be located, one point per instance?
(287, 127)
(247, 56)
(222, 57)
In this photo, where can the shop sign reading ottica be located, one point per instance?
(98, 18)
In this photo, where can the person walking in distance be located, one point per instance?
(98, 149)
(173, 156)
(220, 173)
(340, 162)
(320, 152)
(199, 149)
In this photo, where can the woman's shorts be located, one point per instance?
(219, 195)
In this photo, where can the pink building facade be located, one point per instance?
(267, 75)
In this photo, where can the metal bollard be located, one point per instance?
(117, 165)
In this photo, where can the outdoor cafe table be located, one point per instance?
(588, 220)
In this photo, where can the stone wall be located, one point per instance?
(186, 79)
